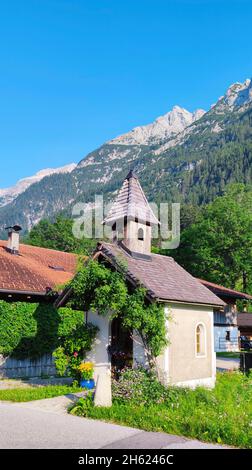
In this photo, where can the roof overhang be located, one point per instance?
(222, 291)
(129, 218)
(230, 295)
(27, 296)
(184, 302)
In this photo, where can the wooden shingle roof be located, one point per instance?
(164, 279)
(131, 203)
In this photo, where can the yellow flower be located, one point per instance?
(86, 367)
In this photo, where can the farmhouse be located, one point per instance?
(30, 273)
(226, 321)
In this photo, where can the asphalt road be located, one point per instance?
(34, 426)
(226, 363)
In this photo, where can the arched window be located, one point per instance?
(200, 340)
(140, 234)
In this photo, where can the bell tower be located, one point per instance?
(131, 217)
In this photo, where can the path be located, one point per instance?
(226, 363)
(44, 424)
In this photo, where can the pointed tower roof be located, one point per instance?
(131, 202)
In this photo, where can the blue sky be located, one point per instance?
(77, 73)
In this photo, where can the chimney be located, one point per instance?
(13, 239)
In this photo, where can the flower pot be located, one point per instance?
(89, 384)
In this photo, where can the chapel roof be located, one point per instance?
(164, 279)
(131, 203)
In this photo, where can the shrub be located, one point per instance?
(61, 361)
(72, 351)
(140, 386)
(83, 406)
(31, 330)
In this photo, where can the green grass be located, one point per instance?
(232, 355)
(36, 393)
(222, 415)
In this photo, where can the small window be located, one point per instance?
(140, 234)
(200, 340)
(228, 335)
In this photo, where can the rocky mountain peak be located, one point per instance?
(237, 95)
(163, 128)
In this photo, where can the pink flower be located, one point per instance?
(75, 354)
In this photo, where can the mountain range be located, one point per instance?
(180, 157)
(9, 194)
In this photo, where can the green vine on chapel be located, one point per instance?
(98, 288)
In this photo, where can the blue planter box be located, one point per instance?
(89, 384)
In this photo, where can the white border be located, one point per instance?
(208, 382)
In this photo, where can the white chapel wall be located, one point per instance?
(99, 353)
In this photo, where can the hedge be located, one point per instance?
(31, 330)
